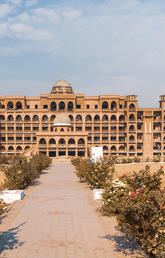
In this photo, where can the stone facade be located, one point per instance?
(66, 124)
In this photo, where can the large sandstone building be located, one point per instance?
(66, 124)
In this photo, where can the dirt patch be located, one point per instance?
(128, 169)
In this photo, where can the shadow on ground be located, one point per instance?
(125, 245)
(9, 239)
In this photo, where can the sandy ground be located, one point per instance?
(128, 169)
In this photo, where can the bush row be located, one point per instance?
(95, 174)
(20, 171)
(137, 201)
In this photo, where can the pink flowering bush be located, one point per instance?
(95, 174)
(139, 208)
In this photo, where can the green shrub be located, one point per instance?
(156, 158)
(136, 159)
(95, 174)
(4, 159)
(20, 172)
(124, 161)
(76, 161)
(129, 160)
(139, 208)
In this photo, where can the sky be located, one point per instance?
(100, 47)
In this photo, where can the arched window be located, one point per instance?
(18, 118)
(52, 118)
(10, 105)
(61, 106)
(71, 117)
(61, 141)
(105, 148)
(27, 147)
(42, 141)
(18, 105)
(131, 117)
(113, 118)
(2, 148)
(121, 148)
(71, 141)
(96, 118)
(131, 138)
(35, 118)
(10, 118)
(19, 148)
(53, 106)
(88, 118)
(45, 118)
(131, 106)
(131, 148)
(113, 148)
(11, 148)
(121, 118)
(52, 141)
(132, 128)
(105, 105)
(113, 106)
(70, 106)
(62, 130)
(78, 118)
(2, 118)
(81, 141)
(27, 118)
(105, 118)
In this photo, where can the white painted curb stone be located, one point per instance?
(9, 196)
(97, 194)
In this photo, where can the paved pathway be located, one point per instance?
(58, 219)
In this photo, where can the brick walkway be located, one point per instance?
(58, 218)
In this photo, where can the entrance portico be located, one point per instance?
(62, 141)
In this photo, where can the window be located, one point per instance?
(18, 138)
(88, 106)
(79, 128)
(10, 128)
(70, 106)
(35, 128)
(45, 106)
(96, 106)
(27, 138)
(27, 106)
(88, 128)
(19, 128)
(27, 128)
(120, 106)
(36, 106)
(105, 105)
(105, 128)
(10, 138)
(45, 128)
(105, 138)
(78, 106)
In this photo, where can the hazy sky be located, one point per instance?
(99, 46)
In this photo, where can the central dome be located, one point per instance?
(62, 120)
(62, 87)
